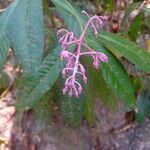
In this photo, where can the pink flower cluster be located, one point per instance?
(74, 68)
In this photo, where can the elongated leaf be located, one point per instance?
(128, 49)
(135, 27)
(21, 27)
(32, 87)
(129, 10)
(99, 86)
(103, 90)
(71, 14)
(89, 93)
(115, 75)
(72, 108)
(25, 32)
(4, 43)
(89, 105)
(4, 47)
(43, 110)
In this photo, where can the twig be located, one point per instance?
(2, 10)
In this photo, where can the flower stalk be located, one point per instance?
(73, 68)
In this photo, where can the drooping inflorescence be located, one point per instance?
(73, 68)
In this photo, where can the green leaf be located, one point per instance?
(89, 105)
(115, 74)
(129, 10)
(21, 27)
(72, 108)
(71, 14)
(100, 88)
(25, 32)
(143, 106)
(4, 47)
(32, 87)
(135, 27)
(43, 110)
(4, 43)
(103, 90)
(128, 49)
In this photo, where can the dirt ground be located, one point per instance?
(109, 133)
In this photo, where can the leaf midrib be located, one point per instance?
(120, 85)
(28, 21)
(121, 45)
(40, 81)
(72, 10)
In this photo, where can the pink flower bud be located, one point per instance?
(70, 93)
(65, 90)
(64, 54)
(76, 93)
(63, 73)
(95, 64)
(85, 79)
(102, 57)
(80, 89)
